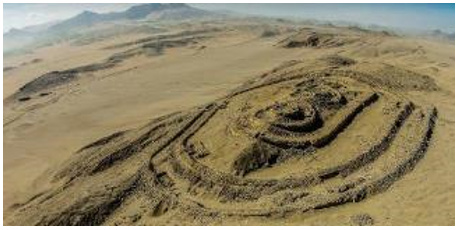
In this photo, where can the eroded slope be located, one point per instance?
(304, 137)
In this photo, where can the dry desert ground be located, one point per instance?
(242, 122)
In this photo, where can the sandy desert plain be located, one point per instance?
(253, 121)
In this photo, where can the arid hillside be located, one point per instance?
(231, 122)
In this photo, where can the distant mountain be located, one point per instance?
(86, 18)
(141, 11)
(442, 35)
(39, 27)
(77, 25)
(15, 33)
(180, 12)
(15, 39)
(171, 11)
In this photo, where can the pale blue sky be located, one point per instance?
(410, 16)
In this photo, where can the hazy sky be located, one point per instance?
(19, 15)
(407, 16)
(411, 16)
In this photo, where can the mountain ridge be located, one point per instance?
(20, 39)
(88, 18)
